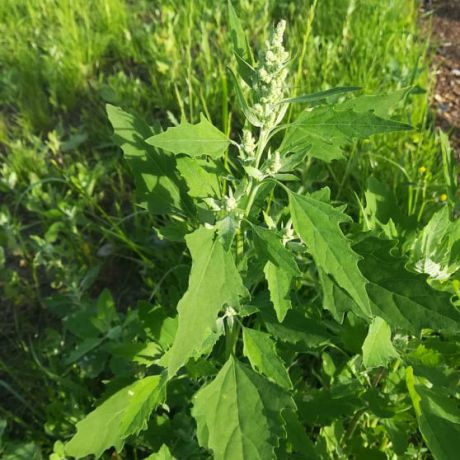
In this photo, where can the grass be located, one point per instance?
(68, 223)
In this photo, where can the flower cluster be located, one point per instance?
(248, 145)
(270, 83)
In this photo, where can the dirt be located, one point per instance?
(445, 15)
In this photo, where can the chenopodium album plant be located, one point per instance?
(293, 339)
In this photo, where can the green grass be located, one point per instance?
(68, 223)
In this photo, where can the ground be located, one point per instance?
(445, 16)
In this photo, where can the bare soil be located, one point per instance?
(445, 16)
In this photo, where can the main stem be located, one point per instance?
(253, 186)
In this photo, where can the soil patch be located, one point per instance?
(446, 38)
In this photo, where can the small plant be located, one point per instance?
(299, 335)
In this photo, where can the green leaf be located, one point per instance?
(226, 230)
(326, 405)
(123, 414)
(297, 329)
(380, 104)
(239, 39)
(214, 282)
(21, 451)
(140, 353)
(158, 325)
(238, 414)
(175, 230)
(241, 47)
(260, 349)
(402, 298)
(398, 433)
(322, 96)
(248, 112)
(438, 418)
(194, 140)
(158, 186)
(279, 284)
(200, 176)
(318, 224)
(327, 129)
(378, 350)
(436, 250)
(335, 299)
(297, 437)
(163, 454)
(270, 247)
(280, 269)
(381, 204)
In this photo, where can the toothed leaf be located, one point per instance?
(195, 140)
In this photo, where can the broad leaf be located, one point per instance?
(382, 209)
(335, 299)
(260, 349)
(438, 418)
(270, 247)
(436, 250)
(162, 454)
(378, 350)
(194, 140)
(326, 405)
(327, 129)
(238, 414)
(318, 224)
(214, 282)
(279, 284)
(322, 96)
(297, 436)
(402, 298)
(380, 104)
(158, 186)
(226, 230)
(123, 414)
(297, 329)
(157, 324)
(200, 176)
(280, 269)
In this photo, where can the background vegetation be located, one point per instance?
(76, 254)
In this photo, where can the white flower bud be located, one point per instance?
(230, 204)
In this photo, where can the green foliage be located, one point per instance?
(280, 268)
(194, 140)
(324, 131)
(288, 275)
(214, 283)
(402, 298)
(162, 454)
(158, 185)
(438, 418)
(226, 411)
(122, 415)
(377, 347)
(260, 349)
(317, 223)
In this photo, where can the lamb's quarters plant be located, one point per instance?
(300, 335)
